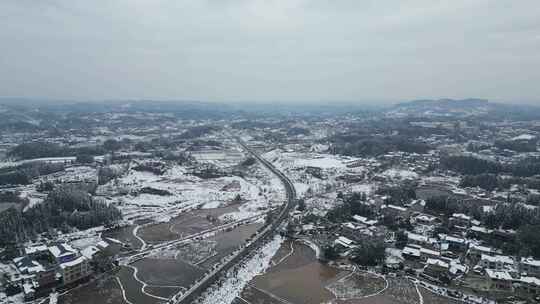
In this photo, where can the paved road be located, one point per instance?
(194, 291)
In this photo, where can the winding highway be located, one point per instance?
(200, 286)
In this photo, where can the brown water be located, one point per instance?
(185, 224)
(300, 278)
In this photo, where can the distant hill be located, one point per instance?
(442, 108)
(461, 108)
(447, 103)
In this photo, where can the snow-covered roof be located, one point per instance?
(411, 251)
(364, 220)
(344, 241)
(28, 288)
(461, 216)
(454, 239)
(524, 137)
(488, 209)
(89, 251)
(426, 218)
(350, 226)
(456, 267)
(482, 248)
(497, 259)
(75, 262)
(25, 264)
(61, 250)
(437, 262)
(402, 209)
(481, 229)
(429, 251)
(498, 275)
(102, 244)
(530, 280)
(417, 237)
(530, 261)
(34, 249)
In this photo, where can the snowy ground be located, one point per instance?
(258, 191)
(296, 165)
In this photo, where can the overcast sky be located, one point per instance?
(270, 50)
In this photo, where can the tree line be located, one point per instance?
(24, 173)
(490, 182)
(470, 165)
(66, 207)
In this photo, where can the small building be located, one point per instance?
(394, 211)
(455, 243)
(425, 219)
(63, 252)
(426, 254)
(417, 239)
(75, 270)
(36, 250)
(416, 205)
(476, 251)
(499, 280)
(480, 231)
(530, 285)
(436, 268)
(364, 220)
(530, 266)
(496, 262)
(460, 219)
(411, 253)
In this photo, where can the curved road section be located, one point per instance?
(200, 286)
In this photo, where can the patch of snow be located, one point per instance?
(235, 282)
(401, 174)
(524, 137)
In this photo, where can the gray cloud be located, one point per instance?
(264, 50)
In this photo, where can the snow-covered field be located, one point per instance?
(257, 191)
(400, 174)
(315, 173)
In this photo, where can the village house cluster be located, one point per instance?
(46, 267)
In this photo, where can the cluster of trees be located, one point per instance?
(208, 171)
(399, 195)
(32, 150)
(154, 191)
(330, 253)
(108, 173)
(298, 131)
(352, 205)
(491, 182)
(64, 208)
(374, 146)
(85, 159)
(523, 146)
(511, 216)
(525, 221)
(197, 132)
(447, 205)
(158, 168)
(24, 173)
(180, 158)
(369, 253)
(248, 162)
(471, 165)
(11, 197)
